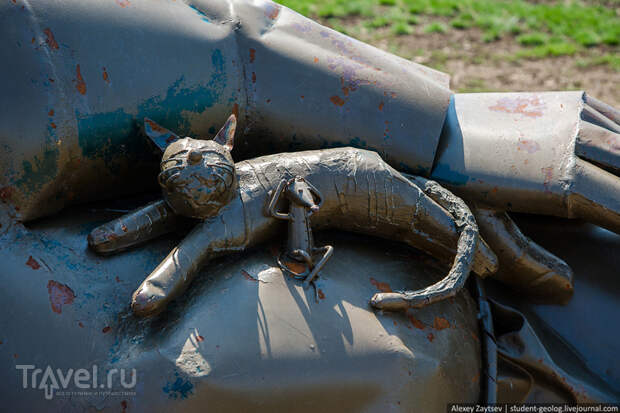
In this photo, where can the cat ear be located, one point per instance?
(226, 135)
(159, 135)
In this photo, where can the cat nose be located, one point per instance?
(194, 157)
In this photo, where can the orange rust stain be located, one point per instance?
(302, 96)
(81, 85)
(200, 338)
(106, 329)
(345, 91)
(316, 59)
(252, 55)
(124, 228)
(51, 112)
(124, 406)
(247, 276)
(321, 294)
(440, 323)
(105, 75)
(381, 106)
(416, 323)
(50, 40)
(272, 11)
(235, 110)
(32, 41)
(123, 3)
(53, 125)
(117, 279)
(295, 266)
(6, 192)
(381, 286)
(336, 100)
(430, 337)
(253, 77)
(155, 126)
(80, 324)
(476, 378)
(528, 146)
(60, 295)
(527, 106)
(32, 263)
(395, 323)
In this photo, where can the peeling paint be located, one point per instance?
(527, 106)
(80, 84)
(337, 100)
(60, 294)
(32, 263)
(49, 39)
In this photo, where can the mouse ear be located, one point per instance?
(226, 135)
(159, 135)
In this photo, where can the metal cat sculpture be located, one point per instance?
(236, 207)
(81, 77)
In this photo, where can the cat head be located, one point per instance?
(197, 176)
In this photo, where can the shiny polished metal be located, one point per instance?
(304, 200)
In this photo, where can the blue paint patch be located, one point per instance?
(179, 389)
(203, 16)
(114, 136)
(443, 173)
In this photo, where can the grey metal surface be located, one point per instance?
(83, 75)
(246, 338)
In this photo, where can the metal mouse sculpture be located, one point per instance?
(304, 200)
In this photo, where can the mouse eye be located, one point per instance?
(193, 157)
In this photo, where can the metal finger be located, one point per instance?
(133, 228)
(523, 264)
(594, 195)
(600, 145)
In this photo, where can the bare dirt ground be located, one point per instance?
(476, 66)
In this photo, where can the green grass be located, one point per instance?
(541, 29)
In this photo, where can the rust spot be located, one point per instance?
(336, 100)
(6, 192)
(32, 41)
(80, 324)
(345, 91)
(53, 125)
(80, 85)
(430, 337)
(393, 95)
(272, 10)
(440, 323)
(475, 336)
(302, 96)
(106, 329)
(123, 3)
(381, 286)
(155, 126)
(548, 173)
(253, 77)
(50, 40)
(124, 406)
(475, 378)
(395, 323)
(105, 75)
(51, 112)
(528, 146)
(416, 323)
(32, 263)
(316, 59)
(527, 106)
(235, 110)
(60, 295)
(117, 279)
(321, 294)
(51, 80)
(381, 106)
(247, 276)
(252, 55)
(124, 227)
(200, 338)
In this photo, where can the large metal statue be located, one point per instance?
(80, 78)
